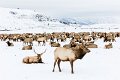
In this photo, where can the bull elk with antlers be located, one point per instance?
(34, 59)
(69, 54)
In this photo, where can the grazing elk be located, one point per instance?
(9, 43)
(33, 59)
(69, 54)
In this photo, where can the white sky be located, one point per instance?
(67, 7)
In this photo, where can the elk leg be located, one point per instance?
(38, 43)
(54, 64)
(43, 43)
(59, 65)
(71, 63)
(30, 44)
(27, 43)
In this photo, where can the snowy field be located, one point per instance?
(99, 64)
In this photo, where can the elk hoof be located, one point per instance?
(72, 72)
(53, 71)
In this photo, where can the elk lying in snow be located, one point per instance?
(92, 46)
(33, 59)
(67, 46)
(107, 46)
(71, 54)
(70, 45)
(9, 43)
(29, 47)
(54, 44)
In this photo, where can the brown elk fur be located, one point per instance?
(33, 59)
(92, 46)
(71, 54)
(41, 39)
(29, 47)
(108, 46)
(28, 41)
(54, 44)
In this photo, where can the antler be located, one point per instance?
(43, 52)
(35, 51)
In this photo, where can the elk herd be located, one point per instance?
(78, 44)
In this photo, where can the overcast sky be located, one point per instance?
(67, 7)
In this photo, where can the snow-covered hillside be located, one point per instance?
(17, 19)
(90, 20)
(23, 20)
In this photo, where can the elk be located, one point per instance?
(107, 46)
(9, 43)
(71, 44)
(29, 47)
(28, 41)
(34, 59)
(69, 54)
(92, 46)
(87, 38)
(41, 39)
(54, 44)
(67, 46)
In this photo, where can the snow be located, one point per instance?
(99, 64)
(23, 20)
(17, 19)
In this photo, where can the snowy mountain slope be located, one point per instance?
(22, 20)
(17, 19)
(90, 20)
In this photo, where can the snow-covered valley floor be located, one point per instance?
(99, 64)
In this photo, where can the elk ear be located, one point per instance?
(35, 51)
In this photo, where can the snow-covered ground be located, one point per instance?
(99, 64)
